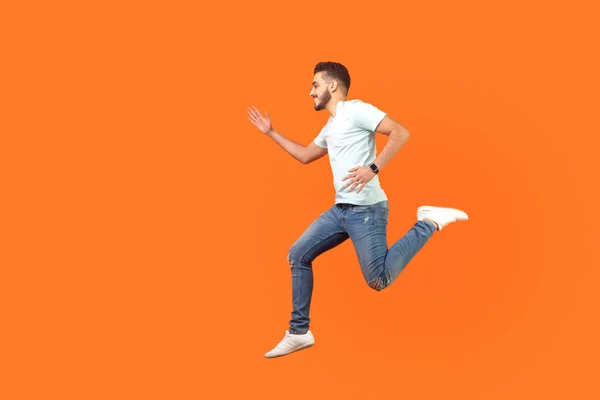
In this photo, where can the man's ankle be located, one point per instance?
(435, 225)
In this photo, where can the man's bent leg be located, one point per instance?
(323, 234)
(367, 227)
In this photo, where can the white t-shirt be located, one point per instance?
(349, 138)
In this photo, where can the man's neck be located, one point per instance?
(332, 105)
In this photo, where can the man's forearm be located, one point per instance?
(294, 149)
(395, 141)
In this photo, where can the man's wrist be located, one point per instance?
(374, 168)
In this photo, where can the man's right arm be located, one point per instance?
(304, 154)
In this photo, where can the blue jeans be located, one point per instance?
(366, 226)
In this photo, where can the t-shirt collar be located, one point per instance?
(338, 107)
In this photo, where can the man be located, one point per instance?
(361, 210)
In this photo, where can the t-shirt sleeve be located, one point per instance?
(367, 116)
(320, 140)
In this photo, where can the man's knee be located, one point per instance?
(378, 284)
(298, 256)
(292, 256)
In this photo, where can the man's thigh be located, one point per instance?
(367, 228)
(325, 233)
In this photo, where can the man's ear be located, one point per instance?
(333, 85)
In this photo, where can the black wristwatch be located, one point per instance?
(374, 168)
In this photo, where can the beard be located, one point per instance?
(322, 101)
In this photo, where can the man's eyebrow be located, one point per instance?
(314, 83)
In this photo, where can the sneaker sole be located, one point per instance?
(306, 346)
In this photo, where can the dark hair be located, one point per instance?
(334, 70)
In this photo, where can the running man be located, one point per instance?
(360, 210)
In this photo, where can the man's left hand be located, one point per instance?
(359, 176)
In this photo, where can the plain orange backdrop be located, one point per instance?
(146, 222)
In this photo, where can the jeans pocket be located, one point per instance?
(381, 214)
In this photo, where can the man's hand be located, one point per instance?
(263, 124)
(359, 176)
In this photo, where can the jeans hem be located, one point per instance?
(296, 332)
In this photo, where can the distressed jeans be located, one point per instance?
(366, 226)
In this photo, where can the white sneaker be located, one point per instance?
(291, 343)
(442, 216)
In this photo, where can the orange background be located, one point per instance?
(146, 222)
